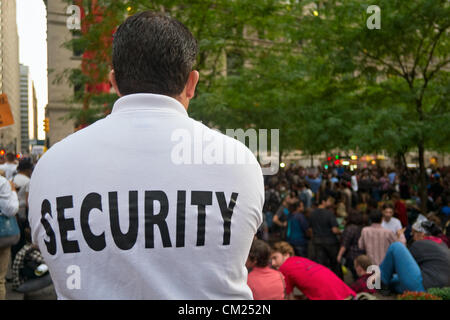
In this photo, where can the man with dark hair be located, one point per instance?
(391, 223)
(10, 166)
(265, 282)
(173, 50)
(154, 215)
(375, 239)
(324, 229)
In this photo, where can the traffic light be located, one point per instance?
(46, 125)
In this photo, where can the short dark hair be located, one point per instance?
(153, 53)
(375, 216)
(260, 253)
(388, 205)
(355, 217)
(10, 157)
(323, 197)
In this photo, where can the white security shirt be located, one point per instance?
(122, 210)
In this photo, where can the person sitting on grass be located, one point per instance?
(265, 282)
(314, 280)
(362, 263)
(425, 265)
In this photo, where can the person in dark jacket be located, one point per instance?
(425, 265)
(349, 241)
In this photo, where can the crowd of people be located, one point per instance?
(17, 254)
(321, 224)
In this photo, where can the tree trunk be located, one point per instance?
(422, 172)
(398, 162)
(422, 178)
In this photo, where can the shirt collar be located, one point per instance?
(376, 225)
(148, 101)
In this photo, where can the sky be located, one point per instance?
(32, 29)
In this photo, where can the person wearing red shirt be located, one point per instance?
(314, 280)
(265, 282)
(361, 264)
(400, 209)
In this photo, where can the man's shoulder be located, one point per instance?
(20, 179)
(73, 143)
(395, 220)
(367, 229)
(213, 136)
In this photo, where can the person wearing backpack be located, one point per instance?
(297, 230)
(280, 218)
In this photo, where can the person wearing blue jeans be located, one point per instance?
(400, 271)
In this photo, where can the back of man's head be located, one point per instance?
(153, 53)
(375, 216)
(10, 157)
(323, 199)
(260, 253)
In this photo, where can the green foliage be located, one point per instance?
(443, 293)
(325, 81)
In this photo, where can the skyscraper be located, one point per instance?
(28, 109)
(9, 73)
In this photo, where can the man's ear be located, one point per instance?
(112, 79)
(192, 84)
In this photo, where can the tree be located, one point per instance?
(312, 69)
(403, 68)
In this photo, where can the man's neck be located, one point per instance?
(376, 224)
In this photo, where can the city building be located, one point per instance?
(60, 59)
(10, 137)
(28, 110)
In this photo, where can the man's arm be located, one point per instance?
(334, 224)
(277, 221)
(278, 215)
(361, 243)
(335, 230)
(340, 254)
(401, 235)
